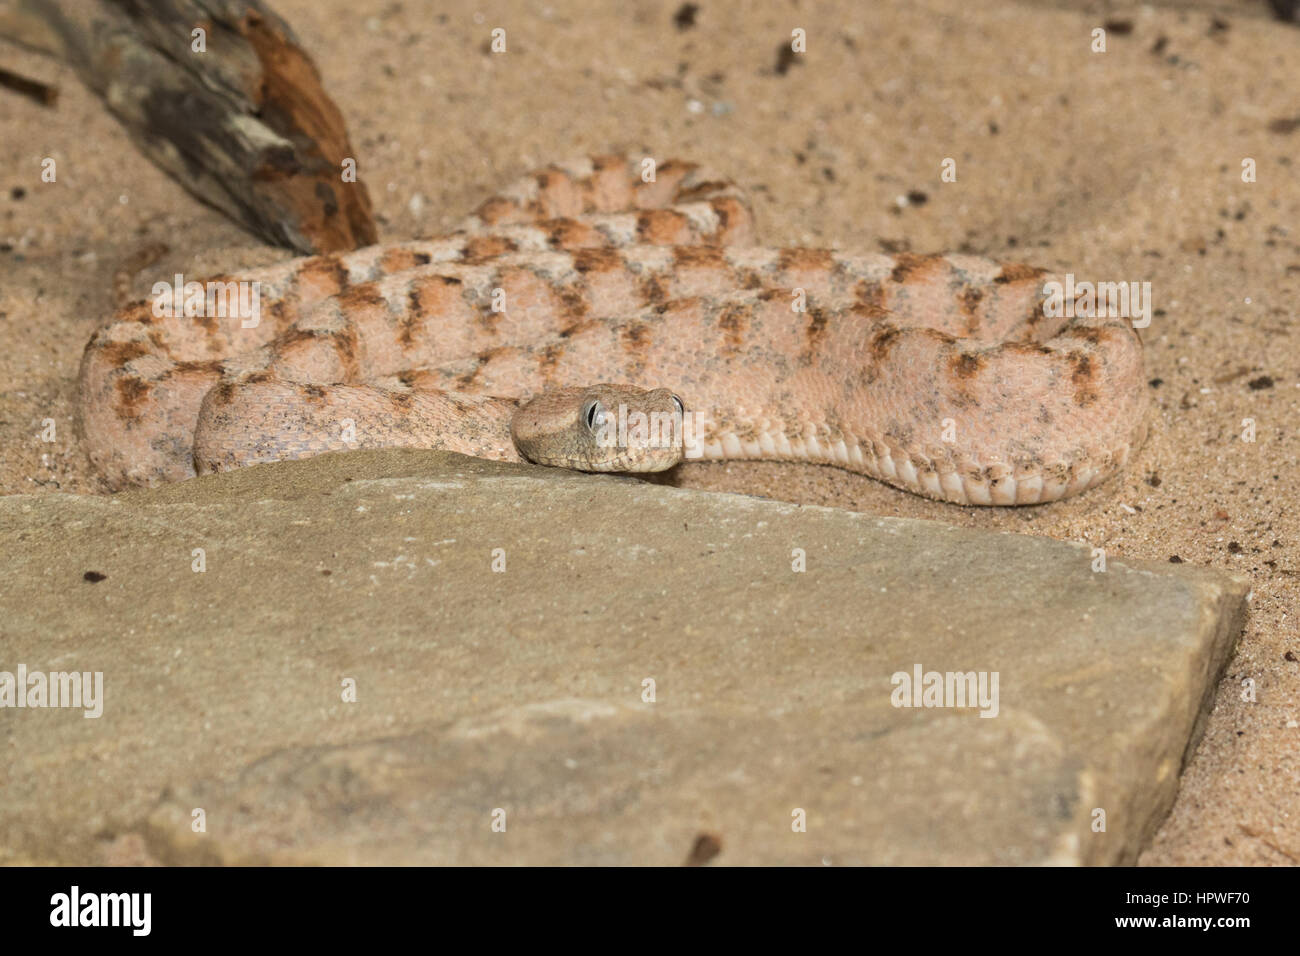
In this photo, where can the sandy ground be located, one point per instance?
(1122, 165)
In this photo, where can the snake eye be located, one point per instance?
(677, 404)
(594, 413)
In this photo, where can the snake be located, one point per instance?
(609, 313)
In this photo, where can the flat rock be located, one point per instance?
(414, 657)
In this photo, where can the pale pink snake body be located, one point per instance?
(937, 374)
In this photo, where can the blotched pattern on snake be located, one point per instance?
(582, 288)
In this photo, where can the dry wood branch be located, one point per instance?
(243, 123)
(42, 93)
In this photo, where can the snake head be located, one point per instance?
(601, 428)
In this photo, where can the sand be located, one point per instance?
(1123, 165)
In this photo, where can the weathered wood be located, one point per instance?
(243, 123)
(1288, 10)
(42, 93)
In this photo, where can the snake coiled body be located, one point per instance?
(941, 375)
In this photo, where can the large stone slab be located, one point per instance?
(504, 628)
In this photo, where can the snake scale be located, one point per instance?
(583, 291)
